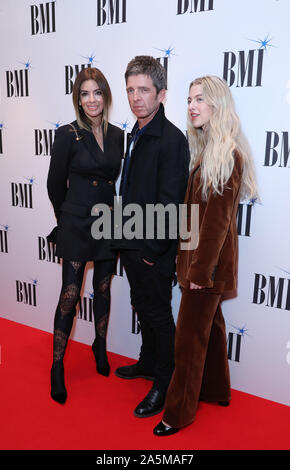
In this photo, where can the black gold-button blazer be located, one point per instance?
(80, 176)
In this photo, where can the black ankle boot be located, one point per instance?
(58, 390)
(100, 353)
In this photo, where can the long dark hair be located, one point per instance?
(91, 73)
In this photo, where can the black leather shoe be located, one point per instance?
(152, 404)
(163, 430)
(133, 372)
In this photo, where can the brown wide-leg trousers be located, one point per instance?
(201, 363)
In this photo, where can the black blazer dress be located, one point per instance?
(80, 176)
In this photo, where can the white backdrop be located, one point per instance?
(244, 41)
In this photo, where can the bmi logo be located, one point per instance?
(1, 144)
(164, 61)
(70, 73)
(111, 12)
(86, 307)
(26, 292)
(272, 291)
(42, 18)
(4, 238)
(195, 6)
(277, 149)
(22, 194)
(245, 68)
(46, 251)
(244, 217)
(43, 140)
(17, 81)
(135, 325)
(234, 342)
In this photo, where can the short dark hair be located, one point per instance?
(91, 73)
(147, 65)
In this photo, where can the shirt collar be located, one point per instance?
(154, 127)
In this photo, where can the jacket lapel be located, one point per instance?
(190, 180)
(91, 143)
(195, 167)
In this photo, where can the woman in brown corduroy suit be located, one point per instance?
(222, 173)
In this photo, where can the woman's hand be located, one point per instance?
(195, 286)
(148, 262)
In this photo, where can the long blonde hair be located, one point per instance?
(221, 137)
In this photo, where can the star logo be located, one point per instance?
(287, 272)
(90, 58)
(30, 180)
(241, 331)
(168, 52)
(55, 124)
(27, 64)
(253, 201)
(264, 43)
(124, 125)
(90, 295)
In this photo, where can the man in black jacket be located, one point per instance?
(155, 172)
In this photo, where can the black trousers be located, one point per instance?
(151, 294)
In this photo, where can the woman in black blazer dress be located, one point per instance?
(85, 163)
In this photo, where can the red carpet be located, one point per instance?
(98, 413)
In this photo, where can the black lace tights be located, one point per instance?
(72, 278)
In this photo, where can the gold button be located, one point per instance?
(111, 208)
(110, 182)
(95, 183)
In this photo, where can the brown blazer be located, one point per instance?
(214, 262)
